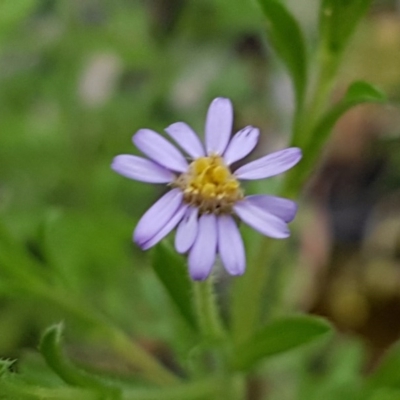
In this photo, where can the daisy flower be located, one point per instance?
(205, 199)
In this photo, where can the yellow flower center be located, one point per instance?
(209, 185)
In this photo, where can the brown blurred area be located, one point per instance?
(351, 243)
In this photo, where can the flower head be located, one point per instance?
(206, 197)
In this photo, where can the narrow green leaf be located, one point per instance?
(5, 365)
(287, 39)
(279, 336)
(358, 93)
(172, 271)
(362, 92)
(50, 347)
(17, 389)
(338, 20)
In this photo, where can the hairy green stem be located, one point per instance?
(207, 311)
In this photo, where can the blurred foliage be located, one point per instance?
(77, 79)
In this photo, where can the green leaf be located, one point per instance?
(359, 92)
(21, 268)
(340, 379)
(279, 336)
(387, 374)
(287, 39)
(50, 347)
(172, 271)
(362, 92)
(338, 19)
(383, 394)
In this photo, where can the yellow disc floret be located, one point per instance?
(209, 185)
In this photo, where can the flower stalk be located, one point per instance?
(207, 311)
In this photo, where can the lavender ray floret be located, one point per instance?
(141, 169)
(284, 209)
(260, 220)
(186, 138)
(155, 218)
(160, 150)
(203, 252)
(218, 127)
(171, 224)
(241, 144)
(270, 165)
(187, 231)
(230, 245)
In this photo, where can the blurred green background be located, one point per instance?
(79, 77)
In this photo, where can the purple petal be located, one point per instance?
(230, 245)
(282, 208)
(241, 144)
(270, 165)
(171, 224)
(157, 216)
(218, 125)
(260, 220)
(202, 254)
(141, 169)
(187, 231)
(186, 137)
(160, 150)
